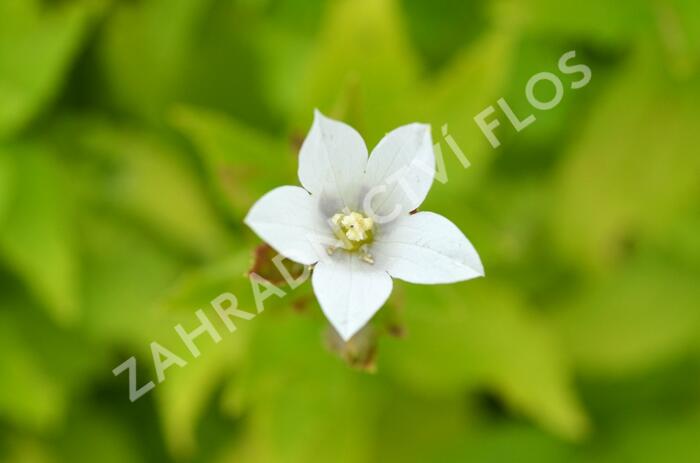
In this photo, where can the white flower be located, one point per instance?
(352, 219)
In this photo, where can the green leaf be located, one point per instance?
(126, 274)
(284, 43)
(472, 81)
(148, 177)
(624, 20)
(40, 378)
(143, 52)
(438, 35)
(630, 172)
(478, 335)
(241, 162)
(26, 449)
(7, 179)
(648, 441)
(29, 396)
(37, 235)
(95, 432)
(182, 399)
(382, 77)
(37, 46)
(506, 442)
(643, 316)
(319, 411)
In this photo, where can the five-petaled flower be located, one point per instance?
(353, 220)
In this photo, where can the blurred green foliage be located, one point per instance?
(135, 135)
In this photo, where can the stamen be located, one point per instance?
(366, 256)
(354, 230)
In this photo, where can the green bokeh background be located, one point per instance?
(135, 135)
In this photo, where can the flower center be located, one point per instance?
(355, 231)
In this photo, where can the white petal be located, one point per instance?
(426, 248)
(350, 291)
(400, 170)
(332, 160)
(288, 219)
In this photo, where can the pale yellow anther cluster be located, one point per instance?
(354, 229)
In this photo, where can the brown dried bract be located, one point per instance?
(264, 266)
(360, 352)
